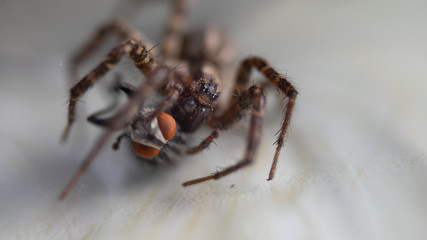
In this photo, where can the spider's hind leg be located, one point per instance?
(175, 28)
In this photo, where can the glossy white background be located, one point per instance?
(353, 166)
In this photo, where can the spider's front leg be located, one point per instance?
(140, 57)
(117, 27)
(154, 79)
(242, 80)
(283, 85)
(254, 98)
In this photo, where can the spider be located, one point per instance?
(190, 93)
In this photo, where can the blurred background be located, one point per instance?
(353, 165)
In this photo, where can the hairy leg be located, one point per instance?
(154, 79)
(118, 28)
(251, 98)
(242, 80)
(139, 55)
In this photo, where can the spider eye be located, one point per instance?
(167, 125)
(144, 151)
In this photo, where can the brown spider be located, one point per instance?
(190, 93)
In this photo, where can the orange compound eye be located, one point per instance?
(144, 151)
(167, 125)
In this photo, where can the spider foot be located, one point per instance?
(199, 180)
(65, 133)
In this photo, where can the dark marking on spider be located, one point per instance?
(190, 94)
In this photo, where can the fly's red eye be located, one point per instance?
(144, 151)
(167, 125)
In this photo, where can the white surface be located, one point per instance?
(353, 166)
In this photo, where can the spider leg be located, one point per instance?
(281, 83)
(140, 57)
(253, 97)
(241, 82)
(119, 120)
(119, 28)
(170, 98)
(207, 141)
(175, 29)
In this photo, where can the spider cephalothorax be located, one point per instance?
(190, 93)
(198, 101)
